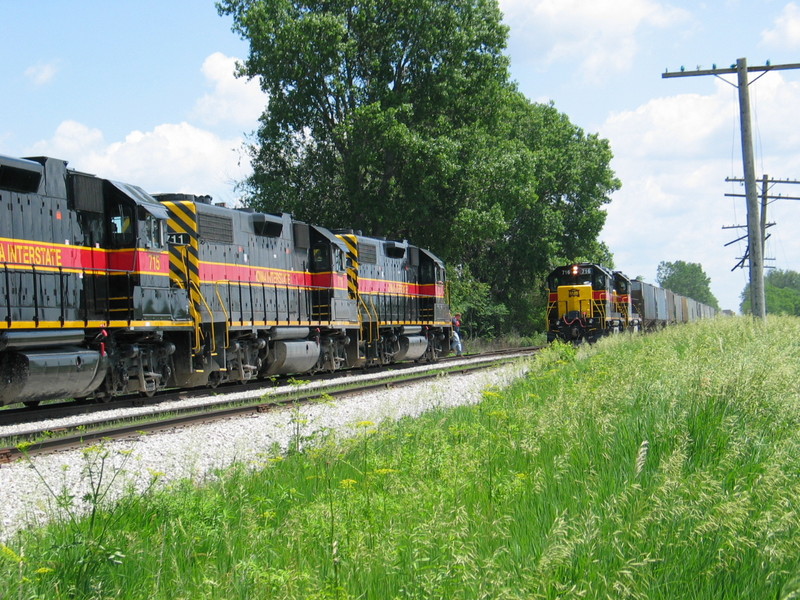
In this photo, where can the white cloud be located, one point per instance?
(234, 99)
(173, 157)
(598, 33)
(41, 73)
(176, 158)
(170, 158)
(785, 32)
(688, 125)
(70, 139)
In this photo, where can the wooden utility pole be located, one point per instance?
(754, 229)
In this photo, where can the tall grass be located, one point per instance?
(662, 466)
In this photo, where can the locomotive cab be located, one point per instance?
(131, 292)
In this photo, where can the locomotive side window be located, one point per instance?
(122, 227)
(320, 259)
(426, 272)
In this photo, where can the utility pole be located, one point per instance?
(754, 228)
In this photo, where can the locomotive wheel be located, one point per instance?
(214, 379)
(32, 403)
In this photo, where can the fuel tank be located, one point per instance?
(297, 356)
(48, 374)
(412, 347)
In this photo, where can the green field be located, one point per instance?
(660, 466)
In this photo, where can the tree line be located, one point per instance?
(781, 293)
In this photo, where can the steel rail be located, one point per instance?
(64, 438)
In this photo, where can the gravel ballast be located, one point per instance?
(27, 488)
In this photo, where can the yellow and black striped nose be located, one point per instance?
(184, 250)
(351, 243)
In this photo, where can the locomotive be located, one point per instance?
(107, 290)
(588, 301)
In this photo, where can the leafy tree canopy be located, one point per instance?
(686, 279)
(398, 118)
(781, 293)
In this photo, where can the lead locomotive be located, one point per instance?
(588, 301)
(107, 290)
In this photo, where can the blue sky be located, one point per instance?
(142, 91)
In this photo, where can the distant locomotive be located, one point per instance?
(106, 290)
(588, 301)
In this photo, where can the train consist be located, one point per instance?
(107, 290)
(588, 301)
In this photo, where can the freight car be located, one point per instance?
(106, 290)
(588, 301)
(658, 307)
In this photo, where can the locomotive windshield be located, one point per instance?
(578, 275)
(573, 275)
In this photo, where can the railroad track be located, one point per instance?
(176, 410)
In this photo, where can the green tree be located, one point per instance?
(549, 181)
(398, 118)
(369, 101)
(687, 279)
(781, 292)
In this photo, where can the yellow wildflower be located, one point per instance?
(9, 554)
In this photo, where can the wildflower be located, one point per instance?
(385, 471)
(347, 483)
(10, 554)
(365, 424)
(44, 570)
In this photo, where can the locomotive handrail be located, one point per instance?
(35, 296)
(211, 314)
(8, 294)
(377, 322)
(62, 294)
(225, 312)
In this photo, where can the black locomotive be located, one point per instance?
(106, 290)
